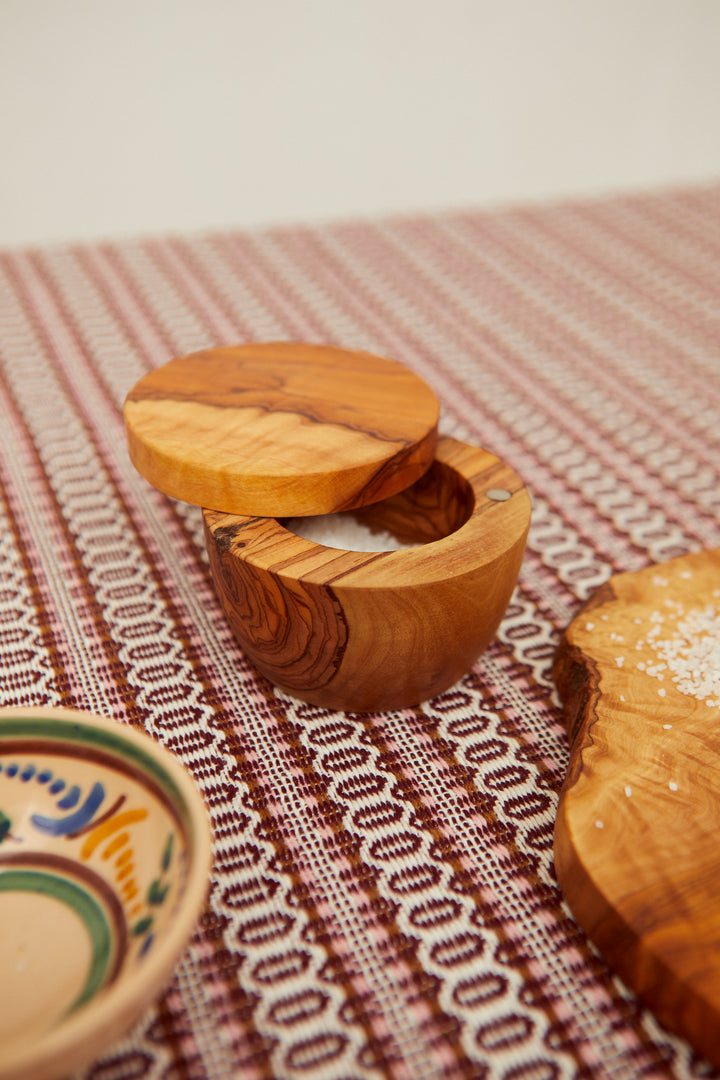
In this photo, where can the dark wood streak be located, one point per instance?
(404, 461)
(239, 378)
(295, 632)
(577, 678)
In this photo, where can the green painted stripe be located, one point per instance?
(85, 907)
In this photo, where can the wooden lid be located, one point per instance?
(281, 429)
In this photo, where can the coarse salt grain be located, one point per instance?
(691, 654)
(628, 791)
(673, 786)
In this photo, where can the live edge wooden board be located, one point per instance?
(637, 845)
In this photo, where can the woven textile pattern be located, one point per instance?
(383, 902)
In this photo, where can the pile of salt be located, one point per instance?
(343, 531)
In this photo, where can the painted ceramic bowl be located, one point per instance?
(105, 854)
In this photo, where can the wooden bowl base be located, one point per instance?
(367, 631)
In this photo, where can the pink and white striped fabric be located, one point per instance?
(383, 902)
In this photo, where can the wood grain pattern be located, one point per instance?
(636, 837)
(281, 428)
(368, 631)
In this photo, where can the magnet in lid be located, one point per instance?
(281, 428)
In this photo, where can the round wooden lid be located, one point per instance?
(281, 429)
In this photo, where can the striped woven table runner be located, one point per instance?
(383, 901)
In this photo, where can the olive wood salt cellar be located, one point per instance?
(258, 434)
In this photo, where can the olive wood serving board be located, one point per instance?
(637, 850)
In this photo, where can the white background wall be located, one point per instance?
(141, 116)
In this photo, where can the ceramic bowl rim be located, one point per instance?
(115, 1009)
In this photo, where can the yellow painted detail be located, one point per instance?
(108, 828)
(115, 845)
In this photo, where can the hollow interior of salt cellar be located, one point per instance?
(344, 531)
(436, 505)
